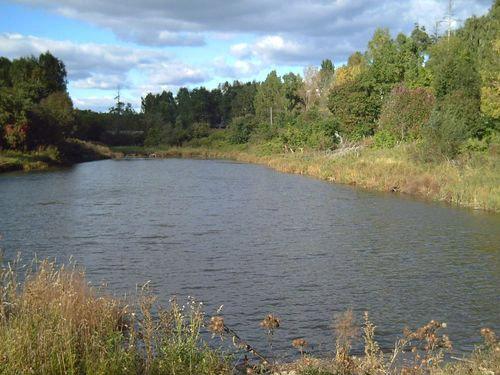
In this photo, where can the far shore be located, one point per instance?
(472, 183)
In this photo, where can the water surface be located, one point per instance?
(258, 241)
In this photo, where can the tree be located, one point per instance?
(482, 36)
(292, 86)
(269, 100)
(50, 120)
(163, 104)
(456, 84)
(5, 80)
(384, 70)
(405, 112)
(310, 90)
(454, 67)
(326, 74)
(184, 107)
(354, 109)
(350, 72)
(53, 73)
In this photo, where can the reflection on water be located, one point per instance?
(258, 241)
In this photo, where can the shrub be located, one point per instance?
(311, 130)
(454, 120)
(355, 109)
(200, 129)
(405, 112)
(384, 139)
(240, 129)
(16, 135)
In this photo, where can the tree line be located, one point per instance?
(440, 92)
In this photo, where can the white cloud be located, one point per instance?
(187, 22)
(241, 50)
(101, 66)
(238, 69)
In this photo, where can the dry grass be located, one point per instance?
(55, 322)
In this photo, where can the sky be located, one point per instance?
(154, 45)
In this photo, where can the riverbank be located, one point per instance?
(55, 322)
(473, 181)
(71, 152)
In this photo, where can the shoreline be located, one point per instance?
(472, 184)
(71, 152)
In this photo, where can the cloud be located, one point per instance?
(238, 69)
(101, 82)
(271, 49)
(97, 103)
(187, 22)
(174, 74)
(102, 66)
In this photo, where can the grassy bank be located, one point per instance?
(71, 152)
(55, 322)
(473, 181)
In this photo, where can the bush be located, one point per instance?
(384, 139)
(311, 130)
(454, 120)
(240, 129)
(354, 109)
(405, 112)
(200, 129)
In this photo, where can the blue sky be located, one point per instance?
(152, 45)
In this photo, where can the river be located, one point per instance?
(258, 241)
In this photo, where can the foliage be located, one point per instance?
(269, 102)
(310, 130)
(456, 82)
(384, 139)
(354, 108)
(454, 68)
(386, 92)
(405, 112)
(240, 129)
(454, 120)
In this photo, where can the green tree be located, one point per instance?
(405, 112)
(354, 109)
(292, 86)
(53, 74)
(184, 108)
(456, 84)
(269, 99)
(5, 80)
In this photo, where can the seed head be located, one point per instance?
(270, 322)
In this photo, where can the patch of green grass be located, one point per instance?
(36, 160)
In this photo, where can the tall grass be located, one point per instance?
(55, 322)
(52, 321)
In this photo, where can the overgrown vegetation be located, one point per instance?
(52, 321)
